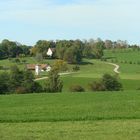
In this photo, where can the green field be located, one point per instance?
(109, 115)
(70, 130)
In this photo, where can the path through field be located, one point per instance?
(66, 73)
(116, 67)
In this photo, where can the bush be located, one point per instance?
(60, 65)
(107, 83)
(24, 61)
(17, 60)
(76, 68)
(4, 82)
(77, 88)
(1, 67)
(20, 90)
(103, 59)
(111, 83)
(97, 86)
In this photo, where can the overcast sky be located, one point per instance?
(27, 21)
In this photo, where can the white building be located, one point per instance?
(50, 52)
(37, 69)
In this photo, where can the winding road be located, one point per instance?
(116, 67)
(113, 64)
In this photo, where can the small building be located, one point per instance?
(38, 68)
(50, 52)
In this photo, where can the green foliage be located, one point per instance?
(111, 83)
(60, 65)
(53, 83)
(1, 67)
(88, 51)
(73, 55)
(77, 88)
(18, 82)
(4, 83)
(107, 83)
(76, 68)
(17, 60)
(12, 49)
(97, 86)
(39, 57)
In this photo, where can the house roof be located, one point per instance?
(52, 49)
(32, 66)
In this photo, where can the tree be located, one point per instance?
(108, 44)
(23, 81)
(54, 84)
(107, 83)
(39, 57)
(88, 51)
(29, 84)
(73, 55)
(60, 65)
(16, 77)
(4, 83)
(111, 83)
(10, 49)
(43, 45)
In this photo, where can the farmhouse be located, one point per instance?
(38, 67)
(50, 52)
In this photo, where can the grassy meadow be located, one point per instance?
(99, 115)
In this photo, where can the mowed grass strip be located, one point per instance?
(70, 107)
(81, 130)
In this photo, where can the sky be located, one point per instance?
(28, 21)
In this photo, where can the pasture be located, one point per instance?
(99, 115)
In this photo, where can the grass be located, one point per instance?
(70, 107)
(71, 116)
(88, 130)
(123, 55)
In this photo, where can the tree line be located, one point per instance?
(71, 51)
(11, 49)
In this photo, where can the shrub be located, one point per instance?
(112, 60)
(1, 67)
(107, 83)
(17, 60)
(20, 90)
(39, 57)
(125, 61)
(60, 65)
(111, 83)
(77, 88)
(97, 86)
(4, 83)
(76, 68)
(24, 61)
